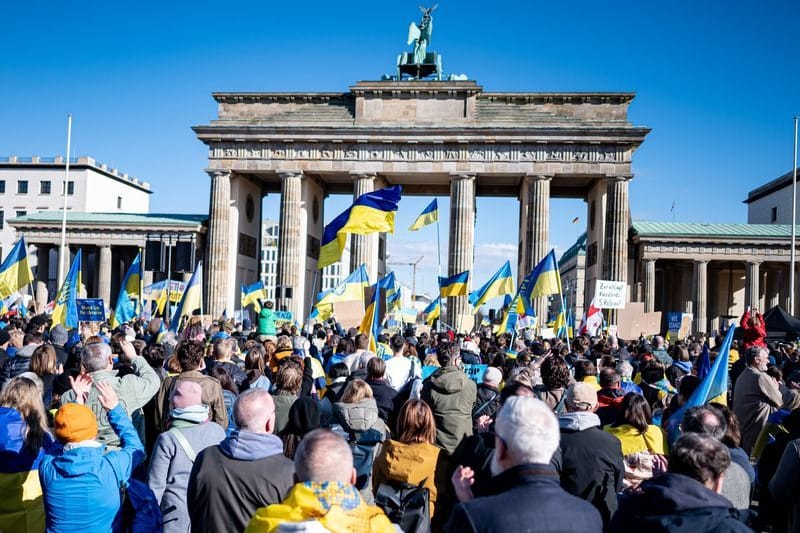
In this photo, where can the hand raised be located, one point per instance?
(81, 386)
(463, 479)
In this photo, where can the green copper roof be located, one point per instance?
(578, 248)
(115, 219)
(699, 229)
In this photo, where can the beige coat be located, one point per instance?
(755, 397)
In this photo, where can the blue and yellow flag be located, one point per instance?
(545, 278)
(65, 311)
(350, 289)
(126, 310)
(15, 272)
(433, 311)
(251, 294)
(454, 285)
(393, 301)
(429, 215)
(371, 212)
(192, 298)
(498, 285)
(371, 323)
(713, 387)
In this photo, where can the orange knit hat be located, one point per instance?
(75, 423)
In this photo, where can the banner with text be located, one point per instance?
(609, 294)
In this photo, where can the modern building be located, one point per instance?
(772, 202)
(30, 185)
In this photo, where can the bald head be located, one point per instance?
(324, 456)
(254, 411)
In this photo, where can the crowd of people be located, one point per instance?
(226, 427)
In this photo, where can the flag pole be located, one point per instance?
(794, 222)
(438, 241)
(63, 248)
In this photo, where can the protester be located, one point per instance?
(45, 365)
(400, 369)
(221, 354)
(304, 417)
(412, 457)
(266, 321)
(288, 382)
(755, 396)
(555, 380)
(487, 397)
(175, 451)
(526, 487)
(591, 460)
(451, 395)
(245, 471)
(81, 481)
(20, 361)
(385, 396)
(753, 329)
(609, 397)
(686, 499)
(256, 368)
(324, 498)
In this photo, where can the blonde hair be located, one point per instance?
(284, 342)
(355, 391)
(23, 395)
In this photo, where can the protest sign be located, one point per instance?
(91, 309)
(609, 294)
(674, 323)
(349, 314)
(282, 317)
(633, 321)
(475, 372)
(427, 370)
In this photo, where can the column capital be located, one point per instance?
(622, 178)
(219, 173)
(700, 261)
(285, 174)
(462, 176)
(649, 261)
(537, 177)
(754, 263)
(363, 175)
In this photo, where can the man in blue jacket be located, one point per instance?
(79, 480)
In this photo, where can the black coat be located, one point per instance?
(385, 396)
(675, 503)
(489, 397)
(592, 467)
(527, 498)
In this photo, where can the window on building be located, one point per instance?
(2, 186)
(21, 213)
(70, 188)
(44, 187)
(119, 202)
(2, 218)
(773, 215)
(22, 187)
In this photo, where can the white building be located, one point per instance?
(30, 185)
(772, 202)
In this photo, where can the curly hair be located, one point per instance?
(189, 354)
(555, 373)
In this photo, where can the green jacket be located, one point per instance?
(450, 395)
(266, 322)
(134, 391)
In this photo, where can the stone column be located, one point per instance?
(104, 274)
(42, 275)
(762, 297)
(364, 248)
(649, 285)
(774, 293)
(701, 296)
(218, 245)
(290, 264)
(460, 251)
(535, 228)
(752, 293)
(615, 252)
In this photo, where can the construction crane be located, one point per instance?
(413, 264)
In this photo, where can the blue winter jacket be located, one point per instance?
(81, 492)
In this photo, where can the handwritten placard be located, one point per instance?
(609, 294)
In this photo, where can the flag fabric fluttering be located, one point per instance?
(15, 271)
(499, 284)
(433, 311)
(350, 289)
(192, 298)
(126, 310)
(429, 215)
(370, 213)
(454, 285)
(712, 388)
(251, 294)
(592, 320)
(510, 317)
(371, 323)
(704, 363)
(545, 278)
(65, 311)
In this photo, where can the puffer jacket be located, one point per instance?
(21, 507)
(450, 395)
(19, 364)
(359, 417)
(81, 492)
(364, 430)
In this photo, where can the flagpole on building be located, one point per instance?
(794, 222)
(63, 248)
(438, 243)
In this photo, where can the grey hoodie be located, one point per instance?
(578, 421)
(248, 446)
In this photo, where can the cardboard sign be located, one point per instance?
(349, 314)
(91, 310)
(686, 325)
(609, 294)
(633, 321)
(475, 372)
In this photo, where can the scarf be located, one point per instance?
(189, 416)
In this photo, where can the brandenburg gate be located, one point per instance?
(433, 137)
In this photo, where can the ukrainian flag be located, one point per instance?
(252, 293)
(350, 289)
(370, 213)
(499, 285)
(713, 387)
(429, 215)
(433, 311)
(65, 311)
(371, 323)
(192, 298)
(454, 285)
(126, 310)
(545, 278)
(393, 301)
(15, 272)
(510, 318)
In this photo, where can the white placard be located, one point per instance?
(609, 294)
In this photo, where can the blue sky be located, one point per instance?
(717, 81)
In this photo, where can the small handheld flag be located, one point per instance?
(429, 215)
(251, 294)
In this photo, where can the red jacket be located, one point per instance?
(753, 334)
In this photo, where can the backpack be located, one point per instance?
(363, 447)
(139, 511)
(406, 505)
